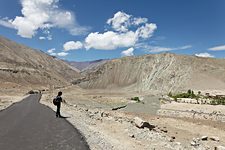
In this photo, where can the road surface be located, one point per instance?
(29, 125)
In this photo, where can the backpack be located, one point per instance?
(55, 101)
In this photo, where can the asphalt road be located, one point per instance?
(29, 125)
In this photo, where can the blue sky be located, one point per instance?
(83, 30)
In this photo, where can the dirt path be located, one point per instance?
(31, 125)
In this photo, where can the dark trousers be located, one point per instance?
(58, 111)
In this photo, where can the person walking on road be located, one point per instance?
(58, 104)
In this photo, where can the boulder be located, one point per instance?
(132, 135)
(214, 138)
(204, 138)
(220, 148)
(195, 142)
(143, 124)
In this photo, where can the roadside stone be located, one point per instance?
(103, 114)
(214, 138)
(172, 138)
(220, 148)
(96, 112)
(204, 138)
(195, 142)
(142, 124)
(132, 136)
(164, 130)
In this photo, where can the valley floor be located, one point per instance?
(91, 112)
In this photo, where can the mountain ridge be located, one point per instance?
(158, 72)
(21, 65)
(86, 64)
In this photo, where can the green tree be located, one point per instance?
(189, 92)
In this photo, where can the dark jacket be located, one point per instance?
(59, 100)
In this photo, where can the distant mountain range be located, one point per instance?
(87, 64)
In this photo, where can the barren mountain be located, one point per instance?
(86, 64)
(21, 65)
(160, 72)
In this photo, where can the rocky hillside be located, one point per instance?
(23, 66)
(160, 72)
(86, 64)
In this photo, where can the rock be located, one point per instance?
(103, 114)
(138, 122)
(142, 124)
(164, 130)
(204, 138)
(119, 107)
(214, 138)
(96, 112)
(196, 139)
(194, 143)
(172, 138)
(220, 148)
(132, 136)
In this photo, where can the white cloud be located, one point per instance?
(62, 54)
(126, 32)
(146, 31)
(44, 14)
(138, 21)
(128, 52)
(52, 52)
(204, 55)
(218, 48)
(110, 40)
(157, 49)
(120, 21)
(72, 45)
(42, 38)
(47, 36)
(6, 23)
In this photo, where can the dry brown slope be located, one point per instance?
(160, 72)
(21, 65)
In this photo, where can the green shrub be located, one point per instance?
(136, 99)
(189, 94)
(213, 102)
(217, 101)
